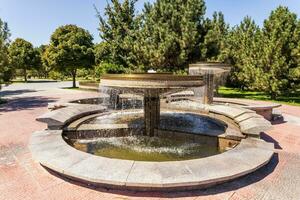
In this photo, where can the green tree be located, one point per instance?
(44, 67)
(23, 56)
(214, 40)
(170, 34)
(117, 31)
(280, 38)
(70, 48)
(5, 69)
(294, 73)
(102, 52)
(243, 51)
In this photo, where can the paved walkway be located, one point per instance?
(22, 178)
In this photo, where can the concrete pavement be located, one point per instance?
(22, 178)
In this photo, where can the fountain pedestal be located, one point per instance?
(151, 112)
(209, 88)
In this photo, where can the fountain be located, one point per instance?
(214, 74)
(153, 145)
(151, 86)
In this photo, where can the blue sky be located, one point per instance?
(35, 20)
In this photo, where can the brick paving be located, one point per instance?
(23, 178)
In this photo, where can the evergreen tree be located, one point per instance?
(170, 34)
(102, 53)
(279, 61)
(294, 73)
(118, 32)
(242, 51)
(214, 40)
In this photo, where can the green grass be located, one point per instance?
(72, 88)
(78, 88)
(291, 99)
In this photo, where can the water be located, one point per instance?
(167, 147)
(143, 148)
(169, 120)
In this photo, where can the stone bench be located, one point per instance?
(265, 109)
(250, 123)
(57, 119)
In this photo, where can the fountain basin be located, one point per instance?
(166, 127)
(49, 148)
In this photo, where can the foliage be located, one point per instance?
(292, 99)
(56, 75)
(265, 59)
(242, 50)
(102, 52)
(23, 56)
(117, 31)
(166, 36)
(214, 39)
(170, 34)
(43, 68)
(70, 48)
(6, 72)
(280, 37)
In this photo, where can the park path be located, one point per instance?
(23, 178)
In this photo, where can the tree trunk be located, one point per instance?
(25, 75)
(74, 77)
(273, 96)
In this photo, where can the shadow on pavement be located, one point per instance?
(26, 103)
(268, 138)
(14, 92)
(42, 81)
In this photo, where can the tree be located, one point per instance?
(214, 40)
(70, 48)
(44, 67)
(280, 38)
(102, 52)
(117, 31)
(243, 51)
(294, 73)
(23, 56)
(171, 33)
(5, 69)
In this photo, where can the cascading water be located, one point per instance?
(136, 128)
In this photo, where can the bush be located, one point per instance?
(55, 75)
(108, 68)
(86, 74)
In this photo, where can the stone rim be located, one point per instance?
(49, 148)
(151, 81)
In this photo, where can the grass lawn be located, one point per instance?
(292, 99)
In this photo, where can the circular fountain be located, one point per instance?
(152, 146)
(151, 86)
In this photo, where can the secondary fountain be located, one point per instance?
(214, 75)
